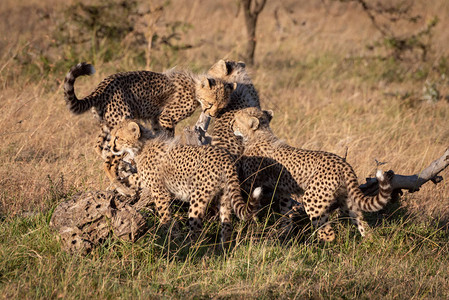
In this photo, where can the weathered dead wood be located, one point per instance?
(412, 183)
(88, 219)
(197, 135)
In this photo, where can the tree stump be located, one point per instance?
(89, 218)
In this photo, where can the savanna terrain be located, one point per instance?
(335, 80)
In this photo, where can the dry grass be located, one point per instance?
(322, 99)
(309, 70)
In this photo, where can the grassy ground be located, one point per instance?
(328, 92)
(402, 259)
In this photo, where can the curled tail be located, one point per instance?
(371, 203)
(243, 209)
(77, 106)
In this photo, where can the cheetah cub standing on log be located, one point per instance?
(162, 98)
(195, 174)
(327, 180)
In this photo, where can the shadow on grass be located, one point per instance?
(395, 212)
(174, 244)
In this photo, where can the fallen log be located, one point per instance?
(197, 135)
(89, 218)
(412, 183)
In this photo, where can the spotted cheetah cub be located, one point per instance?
(327, 180)
(245, 95)
(162, 98)
(195, 174)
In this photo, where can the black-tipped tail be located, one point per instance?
(245, 210)
(77, 106)
(376, 203)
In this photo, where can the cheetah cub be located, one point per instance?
(195, 174)
(245, 95)
(164, 99)
(325, 179)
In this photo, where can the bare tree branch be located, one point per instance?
(259, 5)
(366, 9)
(198, 134)
(412, 183)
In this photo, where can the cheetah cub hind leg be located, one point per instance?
(102, 147)
(250, 211)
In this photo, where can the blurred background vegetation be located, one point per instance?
(50, 37)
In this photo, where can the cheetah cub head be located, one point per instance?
(230, 71)
(247, 122)
(128, 137)
(213, 94)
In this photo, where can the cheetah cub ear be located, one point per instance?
(222, 68)
(268, 114)
(207, 82)
(232, 86)
(134, 130)
(253, 123)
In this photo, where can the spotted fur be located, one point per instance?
(162, 98)
(245, 95)
(325, 180)
(196, 174)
